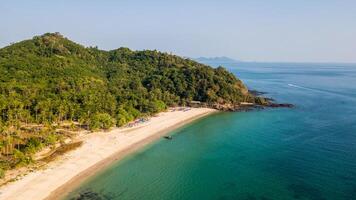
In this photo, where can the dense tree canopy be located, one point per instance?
(50, 79)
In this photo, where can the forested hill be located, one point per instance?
(51, 86)
(50, 78)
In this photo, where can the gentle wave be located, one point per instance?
(351, 96)
(297, 86)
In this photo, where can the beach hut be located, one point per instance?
(195, 103)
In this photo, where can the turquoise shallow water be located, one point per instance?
(308, 152)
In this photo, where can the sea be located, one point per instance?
(303, 153)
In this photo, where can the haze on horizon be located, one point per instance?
(275, 30)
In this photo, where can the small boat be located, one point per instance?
(167, 137)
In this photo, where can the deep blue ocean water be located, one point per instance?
(308, 152)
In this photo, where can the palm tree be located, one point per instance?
(4, 130)
(2, 145)
(16, 135)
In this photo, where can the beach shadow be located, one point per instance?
(90, 195)
(247, 197)
(304, 191)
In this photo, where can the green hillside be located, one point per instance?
(49, 81)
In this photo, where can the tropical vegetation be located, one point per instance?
(51, 86)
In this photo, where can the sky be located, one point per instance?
(249, 30)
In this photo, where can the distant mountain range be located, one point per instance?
(221, 60)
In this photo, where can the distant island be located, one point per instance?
(213, 60)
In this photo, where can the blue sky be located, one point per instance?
(251, 30)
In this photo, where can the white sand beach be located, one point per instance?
(99, 149)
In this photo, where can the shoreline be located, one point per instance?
(98, 152)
